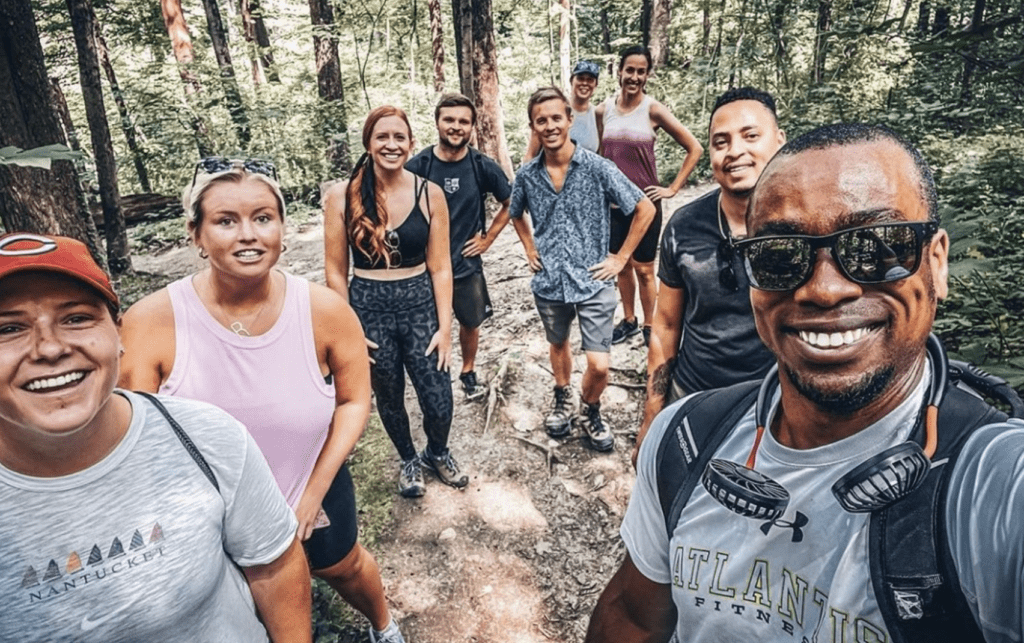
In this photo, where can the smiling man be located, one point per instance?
(467, 177)
(703, 334)
(567, 191)
(878, 502)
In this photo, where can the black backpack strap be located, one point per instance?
(699, 425)
(186, 441)
(912, 571)
(474, 160)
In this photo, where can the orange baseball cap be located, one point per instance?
(21, 251)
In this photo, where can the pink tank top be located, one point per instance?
(271, 383)
(628, 141)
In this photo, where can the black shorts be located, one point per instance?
(329, 545)
(647, 249)
(470, 300)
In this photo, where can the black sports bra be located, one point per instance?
(407, 243)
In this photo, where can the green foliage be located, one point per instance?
(40, 157)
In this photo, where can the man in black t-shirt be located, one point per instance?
(467, 176)
(703, 335)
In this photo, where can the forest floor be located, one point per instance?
(522, 553)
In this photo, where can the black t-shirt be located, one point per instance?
(719, 344)
(465, 197)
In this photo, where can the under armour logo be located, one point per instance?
(798, 533)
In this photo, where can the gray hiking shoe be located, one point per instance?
(470, 386)
(391, 634)
(410, 479)
(592, 425)
(446, 469)
(559, 420)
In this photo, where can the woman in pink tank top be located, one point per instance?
(284, 356)
(631, 120)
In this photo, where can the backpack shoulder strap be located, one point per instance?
(186, 441)
(693, 434)
(474, 162)
(912, 571)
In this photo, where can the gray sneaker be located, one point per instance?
(592, 425)
(559, 420)
(446, 469)
(391, 634)
(410, 479)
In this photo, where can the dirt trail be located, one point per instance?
(522, 553)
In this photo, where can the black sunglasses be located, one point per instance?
(867, 255)
(214, 164)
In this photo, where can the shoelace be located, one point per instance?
(411, 470)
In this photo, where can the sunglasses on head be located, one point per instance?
(874, 254)
(215, 164)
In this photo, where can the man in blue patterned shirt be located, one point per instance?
(567, 191)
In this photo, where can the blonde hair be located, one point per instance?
(192, 195)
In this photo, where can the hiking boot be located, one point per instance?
(410, 478)
(559, 420)
(446, 469)
(646, 330)
(624, 330)
(593, 427)
(472, 390)
(391, 634)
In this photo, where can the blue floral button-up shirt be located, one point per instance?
(571, 227)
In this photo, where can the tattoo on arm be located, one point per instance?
(657, 383)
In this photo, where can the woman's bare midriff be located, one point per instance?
(390, 274)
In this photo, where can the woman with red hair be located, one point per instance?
(394, 228)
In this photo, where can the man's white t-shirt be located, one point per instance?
(806, 576)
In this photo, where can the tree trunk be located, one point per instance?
(490, 119)
(34, 199)
(436, 43)
(941, 24)
(924, 15)
(71, 138)
(181, 44)
(330, 87)
(564, 41)
(657, 38)
(821, 41)
(977, 23)
(778, 20)
(127, 126)
(254, 29)
(462, 19)
(606, 32)
(219, 39)
(705, 43)
(83, 21)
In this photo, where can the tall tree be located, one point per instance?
(83, 22)
(824, 26)
(219, 39)
(564, 40)
(255, 31)
(60, 104)
(462, 20)
(330, 87)
(34, 199)
(436, 43)
(487, 93)
(656, 31)
(127, 126)
(181, 44)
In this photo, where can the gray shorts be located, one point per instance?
(470, 300)
(595, 315)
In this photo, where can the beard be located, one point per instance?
(447, 143)
(850, 400)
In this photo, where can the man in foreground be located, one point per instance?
(467, 176)
(848, 263)
(567, 191)
(703, 334)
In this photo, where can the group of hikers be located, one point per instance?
(178, 472)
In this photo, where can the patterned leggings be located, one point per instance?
(401, 317)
